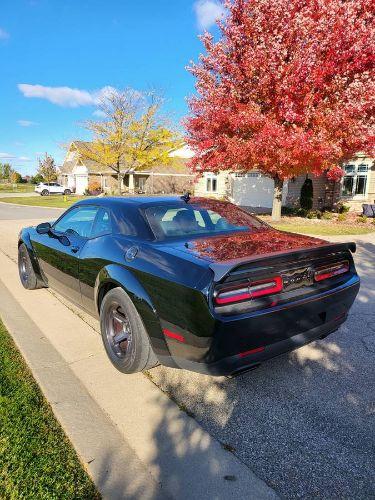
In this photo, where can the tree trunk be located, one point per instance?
(131, 183)
(119, 183)
(119, 178)
(277, 199)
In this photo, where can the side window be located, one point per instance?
(102, 224)
(79, 221)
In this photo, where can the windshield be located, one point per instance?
(200, 216)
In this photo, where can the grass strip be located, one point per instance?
(36, 458)
(325, 230)
(57, 201)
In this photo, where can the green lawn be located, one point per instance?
(44, 201)
(36, 458)
(326, 229)
(17, 188)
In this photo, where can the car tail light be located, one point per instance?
(326, 272)
(249, 291)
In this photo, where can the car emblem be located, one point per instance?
(131, 253)
(298, 278)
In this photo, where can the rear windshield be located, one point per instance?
(198, 217)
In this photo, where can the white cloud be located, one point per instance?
(64, 96)
(26, 123)
(207, 12)
(8, 156)
(4, 35)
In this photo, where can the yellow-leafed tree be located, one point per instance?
(47, 168)
(131, 134)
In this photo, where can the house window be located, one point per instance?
(349, 169)
(362, 168)
(211, 183)
(355, 180)
(360, 185)
(347, 185)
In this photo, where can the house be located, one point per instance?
(252, 189)
(355, 188)
(256, 190)
(81, 174)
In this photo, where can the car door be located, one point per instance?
(94, 256)
(59, 251)
(58, 188)
(53, 188)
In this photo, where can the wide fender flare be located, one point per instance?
(24, 237)
(118, 275)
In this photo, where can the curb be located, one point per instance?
(113, 466)
(125, 421)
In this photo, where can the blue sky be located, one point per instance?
(56, 56)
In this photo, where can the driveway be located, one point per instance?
(303, 422)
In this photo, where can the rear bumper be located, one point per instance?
(244, 343)
(233, 365)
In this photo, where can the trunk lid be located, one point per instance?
(247, 263)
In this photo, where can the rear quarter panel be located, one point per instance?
(166, 289)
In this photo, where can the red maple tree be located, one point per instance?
(287, 89)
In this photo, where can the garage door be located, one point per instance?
(253, 190)
(81, 184)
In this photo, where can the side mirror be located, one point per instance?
(43, 228)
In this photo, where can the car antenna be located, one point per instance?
(186, 197)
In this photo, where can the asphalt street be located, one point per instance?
(133, 439)
(303, 422)
(8, 211)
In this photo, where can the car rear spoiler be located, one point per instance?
(221, 269)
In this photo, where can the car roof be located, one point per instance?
(135, 201)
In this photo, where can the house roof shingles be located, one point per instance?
(176, 166)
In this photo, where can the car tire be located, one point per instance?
(67, 192)
(25, 269)
(44, 192)
(124, 336)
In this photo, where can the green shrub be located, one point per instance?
(362, 219)
(302, 212)
(314, 214)
(289, 211)
(342, 208)
(341, 218)
(326, 216)
(307, 194)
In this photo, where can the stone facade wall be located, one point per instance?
(326, 193)
(169, 184)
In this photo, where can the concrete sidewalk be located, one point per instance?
(135, 441)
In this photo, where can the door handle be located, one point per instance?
(74, 249)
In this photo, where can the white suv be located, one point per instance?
(46, 188)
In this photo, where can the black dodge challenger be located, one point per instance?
(190, 283)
